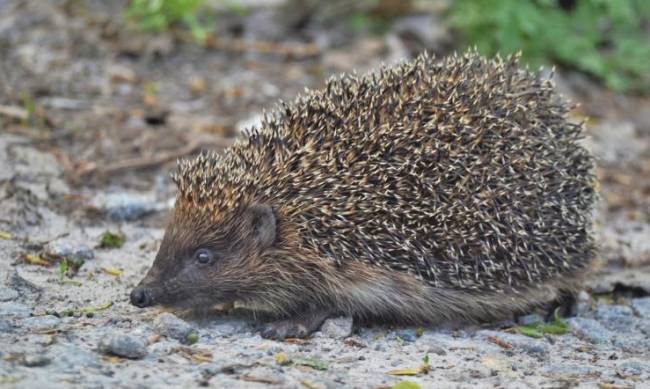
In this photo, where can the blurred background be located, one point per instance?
(103, 97)
(98, 99)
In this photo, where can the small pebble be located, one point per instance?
(228, 327)
(7, 294)
(169, 325)
(337, 328)
(14, 309)
(436, 350)
(124, 346)
(63, 248)
(36, 360)
(126, 206)
(41, 323)
(590, 330)
(633, 368)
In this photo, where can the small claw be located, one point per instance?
(284, 329)
(300, 326)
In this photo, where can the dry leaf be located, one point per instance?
(36, 260)
(113, 271)
(499, 342)
(262, 380)
(310, 385)
(196, 355)
(408, 371)
(296, 341)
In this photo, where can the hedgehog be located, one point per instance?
(450, 190)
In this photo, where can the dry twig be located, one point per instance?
(149, 162)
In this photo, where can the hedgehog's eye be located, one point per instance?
(203, 256)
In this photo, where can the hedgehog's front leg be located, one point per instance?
(299, 326)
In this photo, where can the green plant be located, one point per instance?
(66, 267)
(111, 240)
(160, 15)
(539, 329)
(406, 384)
(604, 38)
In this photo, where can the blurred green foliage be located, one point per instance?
(607, 39)
(160, 15)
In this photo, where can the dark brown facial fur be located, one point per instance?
(201, 263)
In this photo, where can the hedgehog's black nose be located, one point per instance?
(141, 297)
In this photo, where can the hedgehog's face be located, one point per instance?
(201, 263)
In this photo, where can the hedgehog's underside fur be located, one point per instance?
(433, 190)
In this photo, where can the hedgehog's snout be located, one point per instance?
(141, 297)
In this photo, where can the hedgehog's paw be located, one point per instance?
(283, 329)
(299, 327)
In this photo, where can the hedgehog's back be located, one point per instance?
(464, 172)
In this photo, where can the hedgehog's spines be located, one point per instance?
(463, 172)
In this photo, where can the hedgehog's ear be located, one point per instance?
(263, 223)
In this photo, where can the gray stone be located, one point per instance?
(7, 294)
(529, 319)
(41, 323)
(618, 318)
(436, 350)
(14, 309)
(337, 328)
(228, 327)
(641, 307)
(632, 342)
(590, 330)
(633, 367)
(127, 206)
(63, 248)
(169, 325)
(35, 360)
(583, 296)
(123, 345)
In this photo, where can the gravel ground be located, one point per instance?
(121, 346)
(74, 327)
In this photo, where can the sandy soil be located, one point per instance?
(93, 116)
